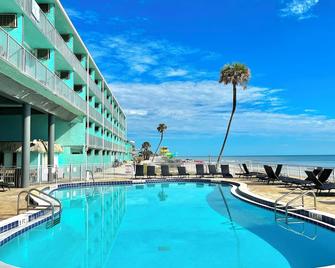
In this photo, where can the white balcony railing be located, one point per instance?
(95, 141)
(95, 89)
(15, 54)
(45, 26)
(95, 115)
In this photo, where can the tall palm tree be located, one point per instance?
(161, 129)
(236, 74)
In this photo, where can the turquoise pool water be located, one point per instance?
(167, 225)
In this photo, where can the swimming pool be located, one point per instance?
(167, 225)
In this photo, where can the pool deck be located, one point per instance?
(269, 191)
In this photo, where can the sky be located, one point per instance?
(162, 59)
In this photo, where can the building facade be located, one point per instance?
(52, 92)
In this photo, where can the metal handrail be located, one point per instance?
(91, 173)
(283, 196)
(302, 201)
(48, 196)
(50, 206)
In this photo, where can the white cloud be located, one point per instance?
(202, 109)
(86, 16)
(135, 112)
(302, 9)
(133, 55)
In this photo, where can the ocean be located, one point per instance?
(299, 160)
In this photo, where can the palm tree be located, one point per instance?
(145, 150)
(235, 74)
(161, 128)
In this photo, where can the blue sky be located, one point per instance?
(162, 59)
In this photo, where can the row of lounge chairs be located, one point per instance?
(316, 179)
(182, 172)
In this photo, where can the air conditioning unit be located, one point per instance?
(8, 20)
(43, 54)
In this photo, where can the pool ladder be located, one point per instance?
(291, 206)
(47, 203)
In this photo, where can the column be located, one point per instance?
(51, 145)
(26, 145)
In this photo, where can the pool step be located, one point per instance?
(52, 223)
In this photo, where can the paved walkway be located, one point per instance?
(273, 191)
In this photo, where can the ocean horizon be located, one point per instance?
(299, 160)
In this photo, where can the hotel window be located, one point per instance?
(66, 37)
(79, 56)
(76, 151)
(43, 54)
(96, 152)
(64, 75)
(8, 20)
(78, 88)
(44, 7)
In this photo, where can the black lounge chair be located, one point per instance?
(225, 171)
(212, 170)
(139, 171)
(319, 186)
(200, 170)
(265, 177)
(165, 172)
(323, 176)
(272, 176)
(182, 172)
(151, 171)
(247, 173)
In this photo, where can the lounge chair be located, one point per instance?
(319, 186)
(225, 171)
(246, 172)
(165, 171)
(151, 172)
(272, 176)
(182, 172)
(264, 177)
(323, 176)
(212, 170)
(139, 171)
(200, 170)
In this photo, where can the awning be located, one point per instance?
(38, 146)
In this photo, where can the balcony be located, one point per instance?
(45, 26)
(16, 55)
(108, 145)
(108, 125)
(95, 115)
(94, 141)
(95, 89)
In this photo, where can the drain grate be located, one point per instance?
(163, 248)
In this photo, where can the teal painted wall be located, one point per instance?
(69, 82)
(51, 14)
(50, 63)
(17, 33)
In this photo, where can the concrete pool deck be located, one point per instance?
(325, 204)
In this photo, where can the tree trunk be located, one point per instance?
(229, 124)
(159, 144)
